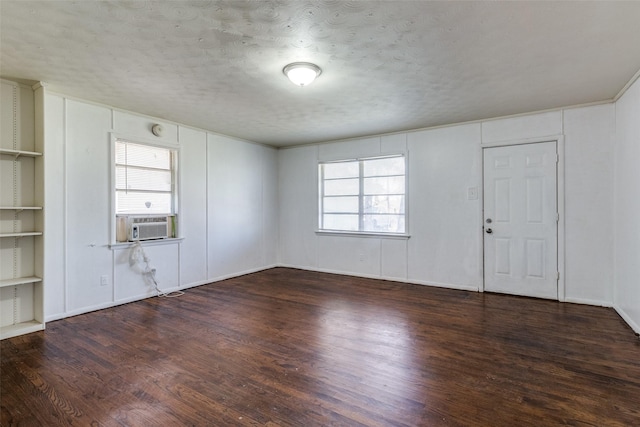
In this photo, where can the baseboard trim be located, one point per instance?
(392, 279)
(587, 301)
(634, 326)
(242, 273)
(627, 319)
(151, 294)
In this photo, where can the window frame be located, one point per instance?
(361, 198)
(176, 160)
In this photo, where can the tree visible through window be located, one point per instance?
(145, 179)
(363, 195)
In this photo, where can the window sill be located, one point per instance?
(125, 245)
(363, 234)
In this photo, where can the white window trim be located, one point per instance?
(363, 234)
(112, 184)
(390, 235)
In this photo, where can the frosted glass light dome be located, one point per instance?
(302, 73)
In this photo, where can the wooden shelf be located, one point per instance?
(20, 329)
(25, 234)
(19, 209)
(18, 153)
(19, 281)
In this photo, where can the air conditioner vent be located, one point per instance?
(148, 219)
(148, 227)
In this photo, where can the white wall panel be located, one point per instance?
(129, 279)
(349, 149)
(193, 206)
(140, 126)
(87, 207)
(54, 202)
(260, 202)
(393, 144)
(444, 247)
(522, 127)
(234, 206)
(298, 186)
(235, 182)
(589, 233)
(270, 206)
(627, 207)
(393, 258)
(351, 255)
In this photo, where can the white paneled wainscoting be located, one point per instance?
(227, 209)
(245, 207)
(445, 217)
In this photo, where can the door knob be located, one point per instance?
(489, 221)
(489, 231)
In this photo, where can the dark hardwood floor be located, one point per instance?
(286, 347)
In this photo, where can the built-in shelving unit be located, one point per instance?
(21, 214)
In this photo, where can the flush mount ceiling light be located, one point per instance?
(302, 73)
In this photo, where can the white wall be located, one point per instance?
(589, 149)
(445, 247)
(246, 207)
(627, 207)
(228, 209)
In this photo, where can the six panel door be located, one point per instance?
(521, 220)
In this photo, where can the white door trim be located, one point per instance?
(560, 182)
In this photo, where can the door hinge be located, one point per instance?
(558, 275)
(557, 158)
(557, 216)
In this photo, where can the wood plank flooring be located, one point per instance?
(286, 347)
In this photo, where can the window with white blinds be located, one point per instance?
(363, 195)
(145, 179)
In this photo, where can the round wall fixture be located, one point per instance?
(157, 129)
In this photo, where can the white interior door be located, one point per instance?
(521, 220)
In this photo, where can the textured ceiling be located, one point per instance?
(387, 66)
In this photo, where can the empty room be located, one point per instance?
(319, 213)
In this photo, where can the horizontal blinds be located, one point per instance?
(144, 179)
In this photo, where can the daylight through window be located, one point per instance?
(363, 195)
(145, 179)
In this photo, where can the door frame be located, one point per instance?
(560, 198)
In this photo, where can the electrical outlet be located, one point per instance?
(104, 280)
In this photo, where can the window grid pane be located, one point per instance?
(384, 185)
(341, 204)
(340, 222)
(342, 187)
(384, 167)
(341, 170)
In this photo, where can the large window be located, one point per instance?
(363, 195)
(145, 179)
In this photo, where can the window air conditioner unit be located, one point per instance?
(148, 228)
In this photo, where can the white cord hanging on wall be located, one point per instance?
(138, 254)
